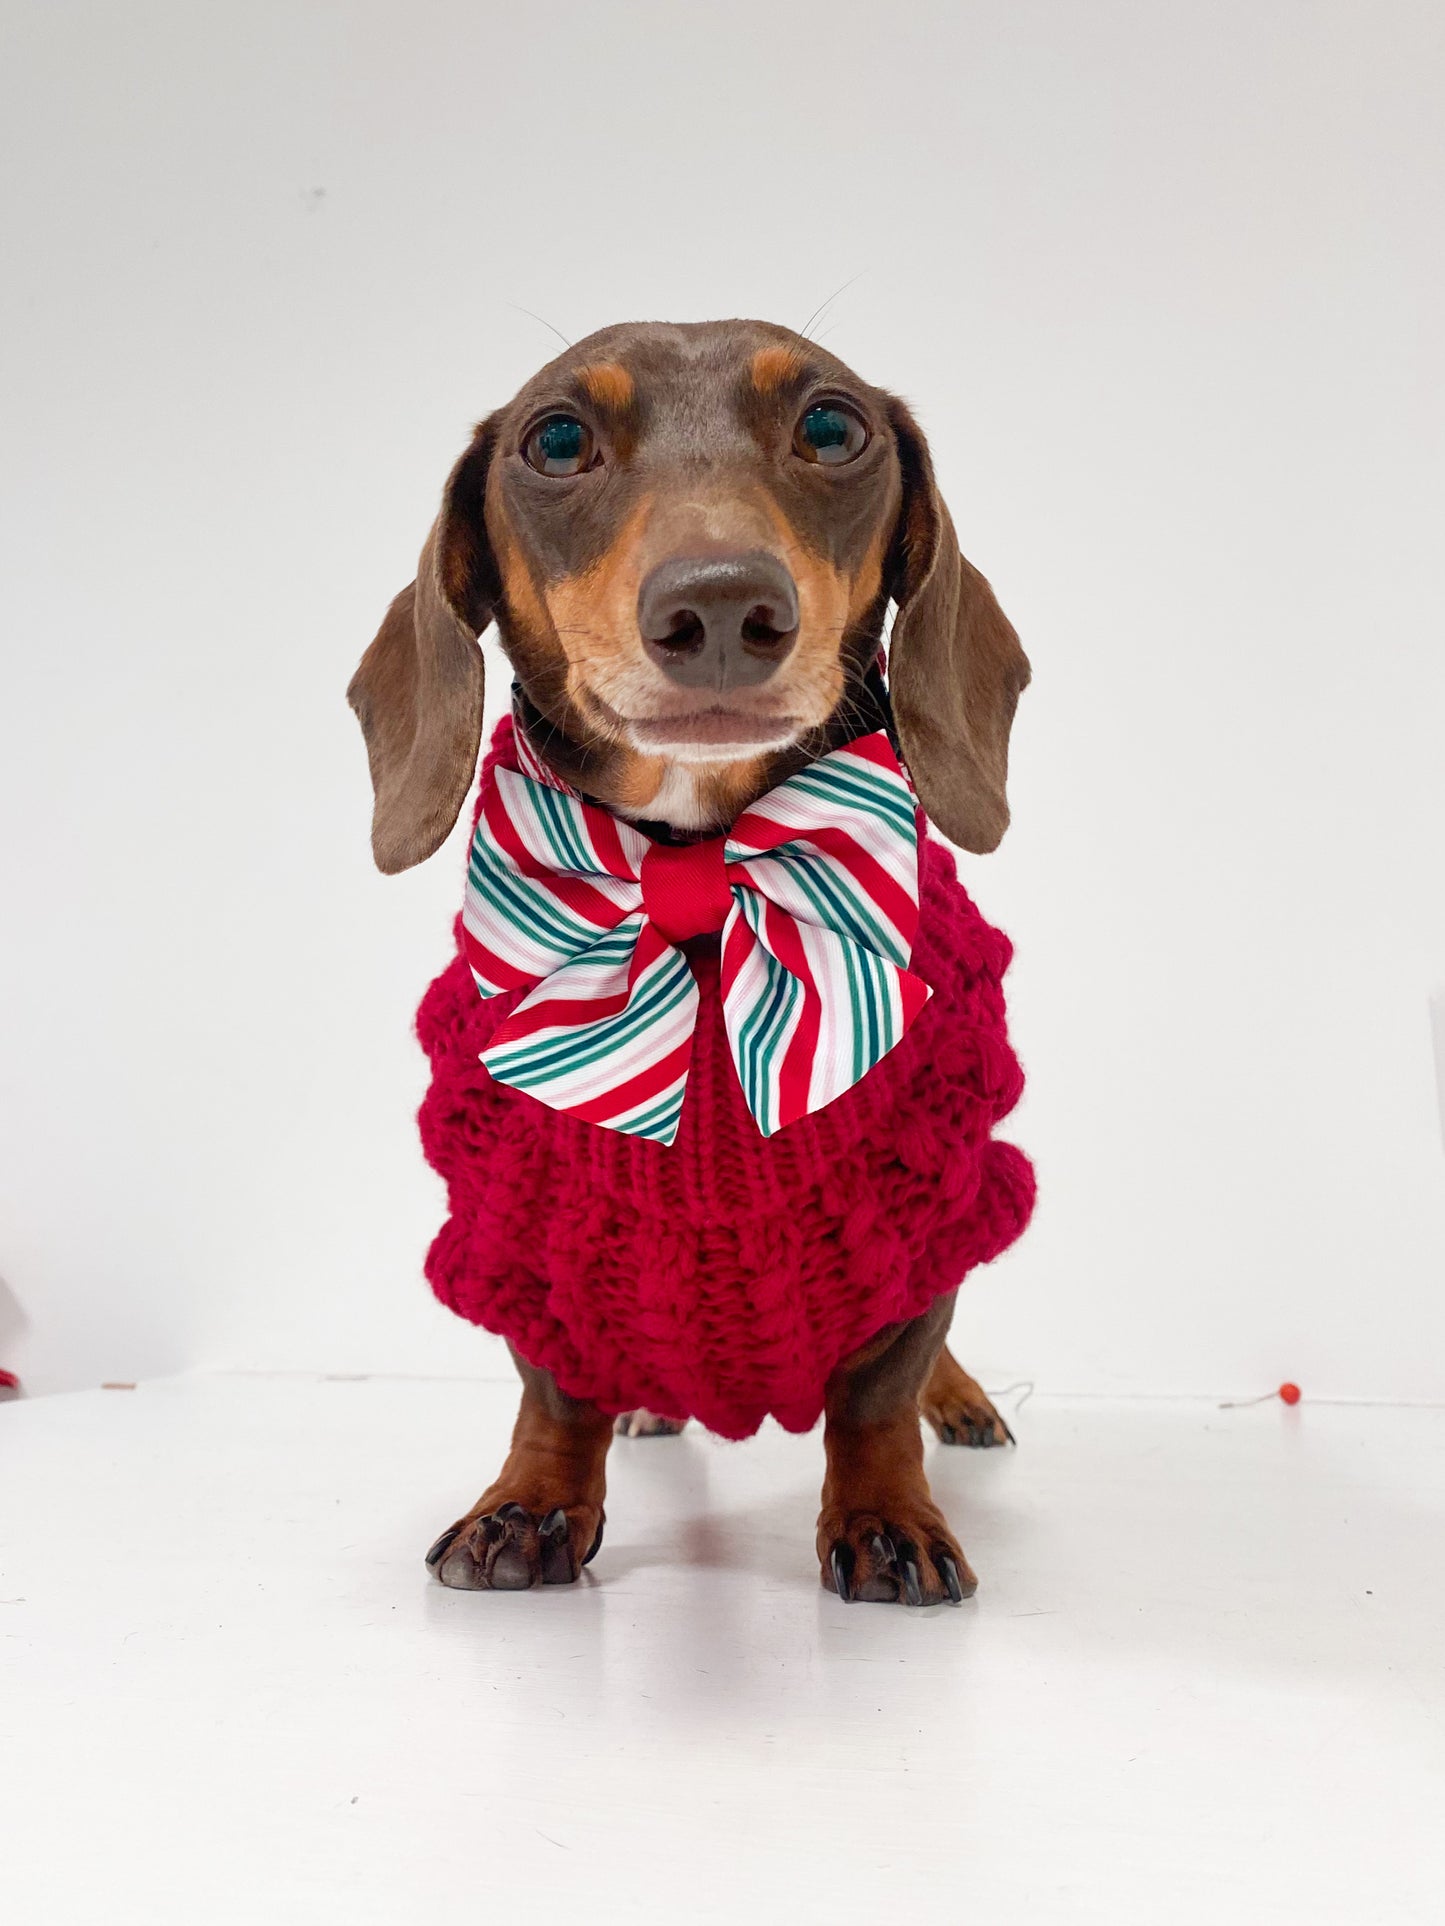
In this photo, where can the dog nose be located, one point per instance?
(718, 621)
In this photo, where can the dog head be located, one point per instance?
(688, 537)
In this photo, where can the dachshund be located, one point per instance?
(689, 537)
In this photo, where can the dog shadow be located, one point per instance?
(768, 1536)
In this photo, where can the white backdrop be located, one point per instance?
(1165, 283)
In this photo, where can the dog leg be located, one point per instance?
(541, 1521)
(959, 1409)
(880, 1535)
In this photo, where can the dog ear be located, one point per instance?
(955, 668)
(418, 691)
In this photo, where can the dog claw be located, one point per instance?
(908, 1566)
(596, 1545)
(558, 1565)
(880, 1582)
(842, 1562)
(439, 1550)
(948, 1572)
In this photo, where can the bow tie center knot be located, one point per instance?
(685, 888)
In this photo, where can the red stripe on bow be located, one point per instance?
(795, 1073)
(494, 968)
(602, 828)
(640, 1089)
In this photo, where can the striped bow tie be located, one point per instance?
(815, 891)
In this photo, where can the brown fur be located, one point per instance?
(955, 664)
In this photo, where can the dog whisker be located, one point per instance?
(517, 306)
(805, 333)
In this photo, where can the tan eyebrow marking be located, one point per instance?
(775, 368)
(609, 384)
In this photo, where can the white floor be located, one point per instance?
(1203, 1679)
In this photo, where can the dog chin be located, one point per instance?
(715, 752)
(654, 738)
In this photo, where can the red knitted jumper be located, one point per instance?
(725, 1276)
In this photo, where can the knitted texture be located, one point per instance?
(725, 1276)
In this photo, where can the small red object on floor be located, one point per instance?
(1287, 1394)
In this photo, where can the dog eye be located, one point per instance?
(560, 445)
(830, 433)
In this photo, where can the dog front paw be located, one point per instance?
(907, 1555)
(510, 1549)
